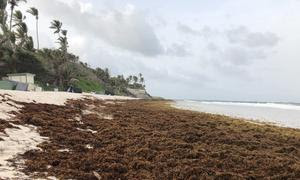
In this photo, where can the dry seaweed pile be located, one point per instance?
(147, 140)
(5, 99)
(3, 125)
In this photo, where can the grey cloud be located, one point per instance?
(241, 47)
(242, 35)
(235, 55)
(178, 50)
(212, 47)
(127, 30)
(204, 32)
(188, 30)
(159, 22)
(241, 56)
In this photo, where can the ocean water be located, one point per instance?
(281, 114)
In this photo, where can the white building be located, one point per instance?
(25, 81)
(22, 77)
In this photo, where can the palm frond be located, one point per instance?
(23, 27)
(14, 3)
(18, 16)
(56, 25)
(64, 32)
(33, 11)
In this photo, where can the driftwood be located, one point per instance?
(97, 175)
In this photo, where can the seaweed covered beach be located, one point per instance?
(137, 139)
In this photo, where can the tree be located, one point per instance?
(21, 34)
(62, 57)
(141, 78)
(33, 11)
(56, 25)
(63, 41)
(13, 4)
(3, 14)
(130, 78)
(135, 79)
(62, 35)
(18, 17)
(4, 35)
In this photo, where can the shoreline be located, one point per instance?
(248, 120)
(279, 117)
(146, 139)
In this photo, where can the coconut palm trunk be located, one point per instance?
(37, 33)
(11, 16)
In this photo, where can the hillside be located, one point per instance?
(54, 68)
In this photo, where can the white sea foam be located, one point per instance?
(287, 115)
(269, 105)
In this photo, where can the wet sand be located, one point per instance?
(150, 140)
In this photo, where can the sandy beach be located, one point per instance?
(16, 139)
(83, 136)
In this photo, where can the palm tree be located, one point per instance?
(13, 4)
(35, 12)
(62, 59)
(140, 77)
(130, 78)
(29, 45)
(18, 18)
(22, 29)
(63, 41)
(3, 15)
(56, 25)
(4, 35)
(21, 33)
(135, 79)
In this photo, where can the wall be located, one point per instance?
(30, 79)
(24, 79)
(18, 78)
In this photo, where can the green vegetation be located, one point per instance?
(89, 86)
(54, 68)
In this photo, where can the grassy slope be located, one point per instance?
(89, 86)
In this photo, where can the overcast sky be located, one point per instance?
(208, 49)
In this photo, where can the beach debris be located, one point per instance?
(88, 146)
(17, 141)
(87, 130)
(97, 175)
(64, 150)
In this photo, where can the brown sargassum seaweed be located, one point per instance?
(150, 140)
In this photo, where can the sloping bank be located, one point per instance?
(116, 139)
